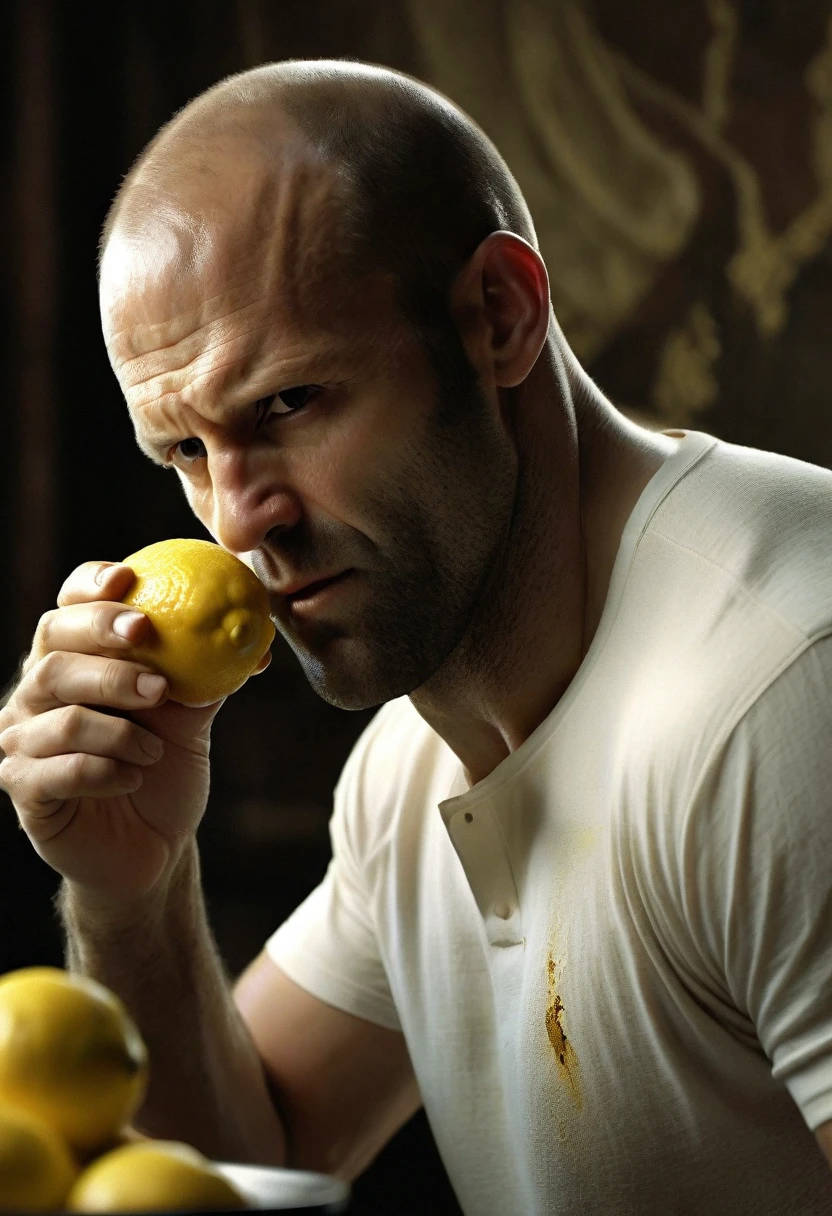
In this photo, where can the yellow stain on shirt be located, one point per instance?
(585, 839)
(566, 1061)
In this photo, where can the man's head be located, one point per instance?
(314, 317)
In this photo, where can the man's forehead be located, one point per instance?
(279, 225)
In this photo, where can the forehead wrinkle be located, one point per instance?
(178, 356)
(290, 368)
(287, 283)
(179, 326)
(209, 383)
(210, 308)
(176, 415)
(280, 221)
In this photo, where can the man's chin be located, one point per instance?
(347, 676)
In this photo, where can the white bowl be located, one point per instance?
(275, 1188)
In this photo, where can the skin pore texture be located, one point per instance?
(471, 506)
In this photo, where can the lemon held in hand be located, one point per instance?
(70, 1055)
(154, 1175)
(36, 1169)
(209, 618)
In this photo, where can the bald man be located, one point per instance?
(580, 898)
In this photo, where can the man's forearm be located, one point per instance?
(206, 1082)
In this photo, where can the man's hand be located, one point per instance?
(109, 780)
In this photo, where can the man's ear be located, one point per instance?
(500, 303)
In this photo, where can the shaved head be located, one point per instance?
(395, 177)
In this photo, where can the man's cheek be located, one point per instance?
(200, 500)
(373, 458)
(335, 476)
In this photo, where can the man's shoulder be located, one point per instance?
(765, 520)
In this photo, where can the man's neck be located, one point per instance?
(580, 481)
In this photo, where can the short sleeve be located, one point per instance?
(328, 946)
(757, 874)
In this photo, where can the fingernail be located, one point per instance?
(103, 571)
(151, 687)
(125, 621)
(152, 746)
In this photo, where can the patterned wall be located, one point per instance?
(678, 163)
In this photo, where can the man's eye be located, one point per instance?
(296, 398)
(291, 399)
(189, 450)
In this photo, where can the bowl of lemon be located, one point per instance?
(73, 1072)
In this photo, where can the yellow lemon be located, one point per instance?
(152, 1176)
(36, 1169)
(209, 615)
(70, 1054)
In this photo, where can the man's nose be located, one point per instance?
(251, 497)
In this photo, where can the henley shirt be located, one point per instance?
(611, 959)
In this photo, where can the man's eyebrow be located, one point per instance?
(301, 370)
(152, 449)
(152, 444)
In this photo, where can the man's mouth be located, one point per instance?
(307, 597)
(311, 589)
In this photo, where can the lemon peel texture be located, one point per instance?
(209, 618)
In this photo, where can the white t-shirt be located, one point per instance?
(612, 958)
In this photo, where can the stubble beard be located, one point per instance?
(445, 520)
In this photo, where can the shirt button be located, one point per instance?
(504, 911)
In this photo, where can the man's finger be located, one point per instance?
(73, 679)
(38, 787)
(96, 581)
(103, 628)
(77, 728)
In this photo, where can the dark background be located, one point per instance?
(742, 91)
